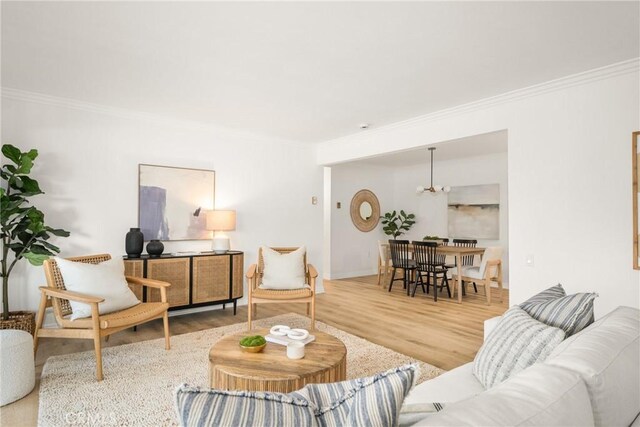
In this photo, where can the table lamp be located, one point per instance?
(220, 221)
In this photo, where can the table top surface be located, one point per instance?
(453, 249)
(325, 352)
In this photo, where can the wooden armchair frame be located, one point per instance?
(274, 296)
(98, 325)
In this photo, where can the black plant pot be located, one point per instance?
(155, 248)
(133, 243)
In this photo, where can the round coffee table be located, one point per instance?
(230, 368)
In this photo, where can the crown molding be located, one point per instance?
(156, 119)
(585, 77)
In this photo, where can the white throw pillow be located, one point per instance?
(283, 271)
(105, 280)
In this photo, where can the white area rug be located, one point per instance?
(140, 378)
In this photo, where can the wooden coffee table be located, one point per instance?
(230, 368)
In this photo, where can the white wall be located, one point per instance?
(353, 252)
(569, 177)
(431, 209)
(88, 167)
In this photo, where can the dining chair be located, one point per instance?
(489, 270)
(384, 261)
(428, 261)
(467, 260)
(401, 260)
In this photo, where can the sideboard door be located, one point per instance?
(211, 277)
(237, 286)
(174, 271)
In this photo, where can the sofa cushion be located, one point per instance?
(452, 386)
(541, 395)
(516, 343)
(571, 313)
(607, 356)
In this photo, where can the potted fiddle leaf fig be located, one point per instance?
(23, 231)
(395, 224)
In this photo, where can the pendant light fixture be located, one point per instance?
(432, 188)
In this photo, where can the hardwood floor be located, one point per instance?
(445, 334)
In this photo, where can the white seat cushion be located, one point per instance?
(105, 280)
(607, 356)
(541, 395)
(473, 272)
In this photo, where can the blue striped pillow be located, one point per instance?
(371, 401)
(571, 313)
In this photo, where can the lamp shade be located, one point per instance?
(221, 220)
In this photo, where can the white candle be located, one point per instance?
(295, 350)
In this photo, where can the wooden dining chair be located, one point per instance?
(384, 261)
(428, 261)
(467, 260)
(401, 260)
(489, 271)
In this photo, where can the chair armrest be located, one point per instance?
(147, 282)
(70, 295)
(251, 272)
(313, 273)
(490, 325)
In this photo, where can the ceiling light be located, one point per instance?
(433, 188)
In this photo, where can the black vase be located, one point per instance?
(133, 243)
(155, 248)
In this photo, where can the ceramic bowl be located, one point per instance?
(254, 349)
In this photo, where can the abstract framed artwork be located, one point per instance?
(172, 202)
(474, 212)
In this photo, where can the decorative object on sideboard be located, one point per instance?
(155, 248)
(172, 202)
(134, 243)
(635, 178)
(365, 210)
(395, 224)
(432, 188)
(220, 221)
(23, 228)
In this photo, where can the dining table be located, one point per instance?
(458, 252)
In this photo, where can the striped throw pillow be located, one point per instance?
(205, 407)
(516, 343)
(371, 401)
(571, 313)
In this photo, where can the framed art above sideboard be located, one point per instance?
(172, 202)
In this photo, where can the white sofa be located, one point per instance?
(591, 379)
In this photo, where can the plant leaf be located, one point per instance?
(12, 153)
(35, 259)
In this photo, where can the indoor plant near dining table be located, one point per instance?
(22, 228)
(395, 225)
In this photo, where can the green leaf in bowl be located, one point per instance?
(253, 341)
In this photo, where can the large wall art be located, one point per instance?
(474, 212)
(173, 201)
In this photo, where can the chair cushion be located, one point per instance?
(472, 272)
(130, 316)
(105, 280)
(284, 294)
(541, 395)
(607, 357)
(371, 401)
(283, 271)
(571, 313)
(516, 343)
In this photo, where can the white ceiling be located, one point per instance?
(306, 71)
(472, 146)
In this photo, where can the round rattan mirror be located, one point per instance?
(365, 210)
